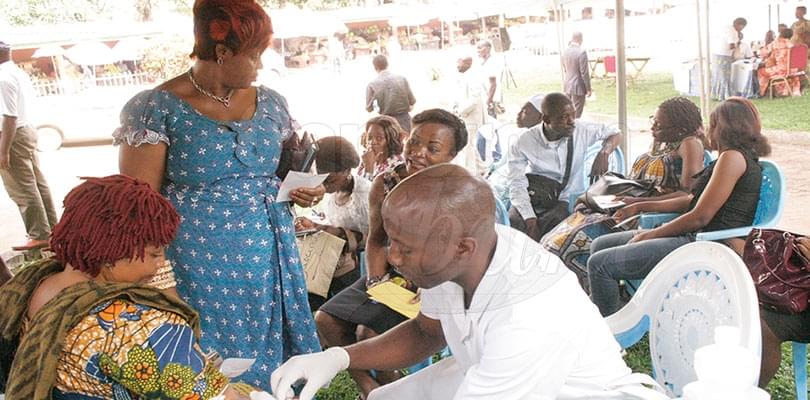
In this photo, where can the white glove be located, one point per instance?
(316, 369)
(254, 395)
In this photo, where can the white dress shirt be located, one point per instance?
(530, 332)
(16, 93)
(534, 153)
(728, 36)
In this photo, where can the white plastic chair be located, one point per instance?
(691, 291)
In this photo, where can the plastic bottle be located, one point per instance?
(725, 370)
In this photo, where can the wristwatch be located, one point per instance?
(373, 280)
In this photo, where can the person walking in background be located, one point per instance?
(391, 92)
(468, 105)
(722, 57)
(577, 73)
(490, 73)
(19, 164)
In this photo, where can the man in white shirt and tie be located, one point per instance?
(515, 319)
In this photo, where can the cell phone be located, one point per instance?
(627, 221)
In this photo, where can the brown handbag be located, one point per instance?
(781, 272)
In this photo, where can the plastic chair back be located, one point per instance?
(707, 157)
(610, 64)
(615, 162)
(501, 213)
(798, 58)
(694, 289)
(799, 369)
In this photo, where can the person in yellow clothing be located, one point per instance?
(801, 28)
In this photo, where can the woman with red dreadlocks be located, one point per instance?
(211, 143)
(85, 324)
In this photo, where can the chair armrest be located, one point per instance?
(654, 220)
(724, 234)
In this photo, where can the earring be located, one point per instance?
(219, 61)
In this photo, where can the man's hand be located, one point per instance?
(626, 212)
(600, 164)
(804, 247)
(589, 93)
(316, 369)
(4, 160)
(531, 228)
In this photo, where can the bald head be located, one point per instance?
(445, 191)
(440, 223)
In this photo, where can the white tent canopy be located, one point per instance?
(91, 53)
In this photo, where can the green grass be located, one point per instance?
(637, 358)
(790, 114)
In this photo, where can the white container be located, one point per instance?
(725, 370)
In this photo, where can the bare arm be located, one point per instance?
(691, 152)
(146, 162)
(406, 344)
(730, 167)
(493, 85)
(602, 160)
(375, 244)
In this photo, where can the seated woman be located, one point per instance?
(84, 325)
(383, 142)
(724, 196)
(675, 158)
(778, 328)
(437, 137)
(345, 208)
(778, 64)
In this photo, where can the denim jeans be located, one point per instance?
(612, 260)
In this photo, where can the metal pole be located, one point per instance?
(621, 82)
(708, 86)
(558, 16)
(704, 101)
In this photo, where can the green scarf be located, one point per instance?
(31, 372)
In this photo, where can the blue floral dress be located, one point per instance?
(235, 255)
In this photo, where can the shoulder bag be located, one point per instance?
(781, 272)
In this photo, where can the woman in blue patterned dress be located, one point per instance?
(211, 143)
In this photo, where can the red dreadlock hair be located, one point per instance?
(110, 219)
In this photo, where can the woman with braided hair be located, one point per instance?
(674, 159)
(92, 322)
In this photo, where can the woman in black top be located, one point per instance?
(724, 195)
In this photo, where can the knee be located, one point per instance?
(329, 327)
(364, 332)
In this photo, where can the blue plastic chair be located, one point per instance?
(501, 212)
(615, 164)
(800, 369)
(769, 209)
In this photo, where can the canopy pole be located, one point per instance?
(704, 101)
(708, 87)
(558, 16)
(621, 83)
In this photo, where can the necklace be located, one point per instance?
(225, 100)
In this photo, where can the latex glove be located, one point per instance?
(316, 369)
(261, 396)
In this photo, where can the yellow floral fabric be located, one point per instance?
(123, 350)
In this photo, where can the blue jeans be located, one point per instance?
(612, 260)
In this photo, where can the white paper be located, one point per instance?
(297, 180)
(606, 202)
(233, 367)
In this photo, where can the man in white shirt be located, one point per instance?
(722, 57)
(490, 72)
(515, 319)
(19, 164)
(543, 150)
(468, 104)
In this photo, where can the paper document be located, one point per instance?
(606, 202)
(233, 367)
(297, 180)
(396, 297)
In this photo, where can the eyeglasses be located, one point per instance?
(655, 124)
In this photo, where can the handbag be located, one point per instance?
(544, 192)
(297, 154)
(320, 252)
(613, 183)
(780, 271)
